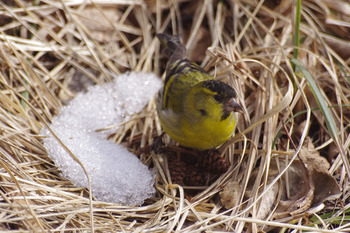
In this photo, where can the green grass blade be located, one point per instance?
(331, 126)
(330, 123)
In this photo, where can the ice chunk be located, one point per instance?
(116, 174)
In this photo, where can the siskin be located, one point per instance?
(194, 109)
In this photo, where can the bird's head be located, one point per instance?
(214, 99)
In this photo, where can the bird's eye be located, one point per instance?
(219, 98)
(203, 112)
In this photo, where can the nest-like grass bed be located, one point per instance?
(50, 50)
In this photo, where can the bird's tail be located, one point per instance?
(173, 48)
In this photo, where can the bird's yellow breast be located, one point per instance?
(200, 133)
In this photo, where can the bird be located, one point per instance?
(194, 109)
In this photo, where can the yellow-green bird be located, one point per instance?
(194, 109)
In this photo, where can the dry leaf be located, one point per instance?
(332, 152)
(100, 28)
(268, 201)
(306, 184)
(300, 192)
(309, 183)
(312, 158)
(230, 194)
(326, 188)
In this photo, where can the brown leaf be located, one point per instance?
(100, 28)
(298, 195)
(268, 201)
(269, 198)
(312, 158)
(326, 187)
(310, 184)
(230, 194)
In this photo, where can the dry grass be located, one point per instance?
(46, 46)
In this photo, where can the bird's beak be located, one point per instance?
(232, 106)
